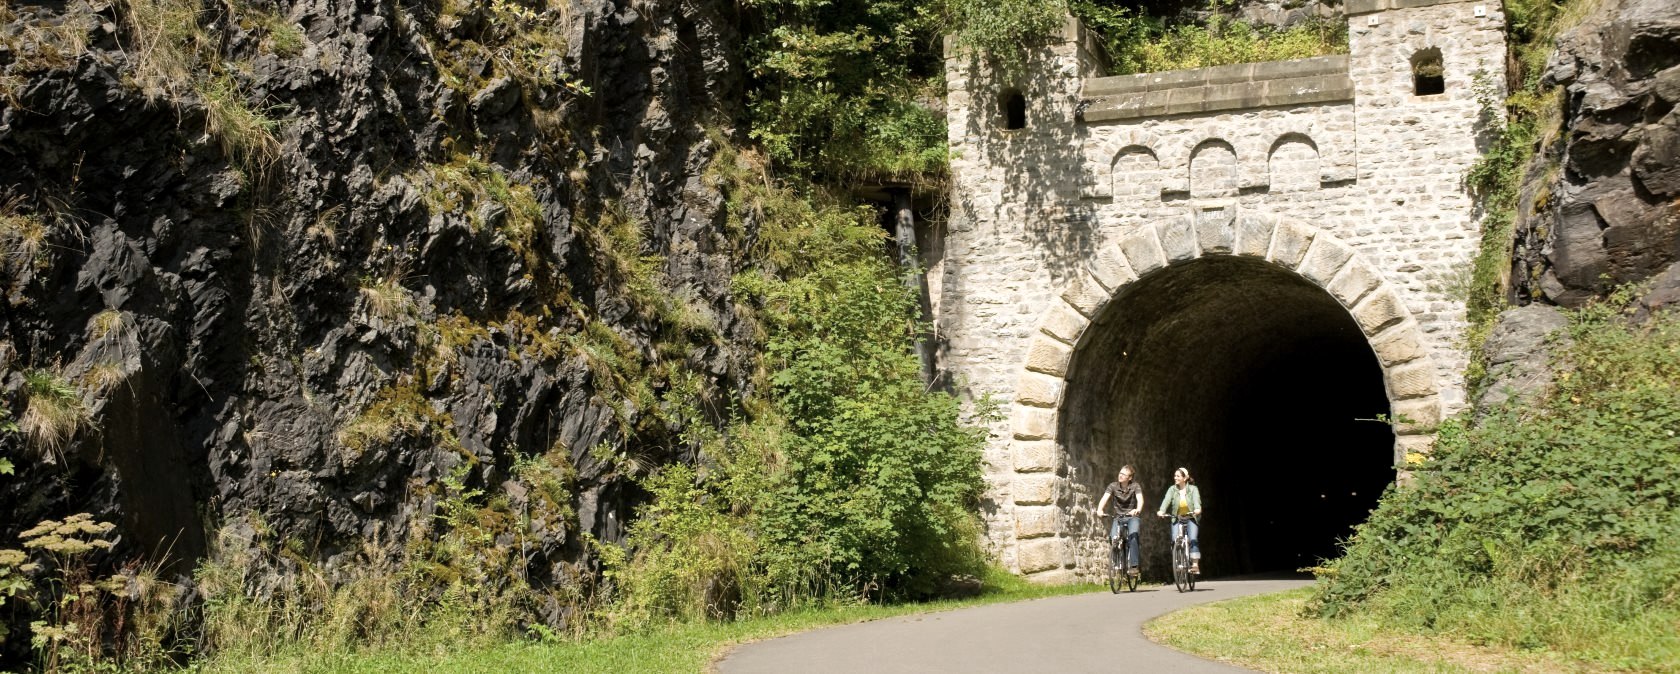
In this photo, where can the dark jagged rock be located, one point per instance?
(1609, 216)
(255, 329)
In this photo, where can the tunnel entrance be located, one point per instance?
(1256, 380)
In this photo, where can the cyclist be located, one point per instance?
(1123, 492)
(1185, 502)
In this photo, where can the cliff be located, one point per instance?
(317, 265)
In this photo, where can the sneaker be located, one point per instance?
(1196, 568)
(1134, 571)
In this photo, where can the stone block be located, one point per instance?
(1178, 239)
(1035, 488)
(1036, 456)
(1324, 258)
(1086, 295)
(1398, 345)
(1354, 282)
(1033, 423)
(1234, 96)
(1037, 521)
(1381, 309)
(1215, 232)
(1110, 268)
(1048, 355)
(1064, 322)
(1143, 251)
(1412, 380)
(1040, 554)
(1254, 235)
(1409, 450)
(1184, 101)
(1307, 67)
(1039, 390)
(1415, 416)
(1289, 244)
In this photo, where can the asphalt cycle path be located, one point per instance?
(1080, 633)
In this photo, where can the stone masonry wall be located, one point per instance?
(1363, 160)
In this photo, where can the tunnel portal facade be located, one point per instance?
(1254, 271)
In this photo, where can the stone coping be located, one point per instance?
(1319, 79)
(1357, 7)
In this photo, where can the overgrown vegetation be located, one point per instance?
(1525, 120)
(178, 60)
(1547, 525)
(1137, 40)
(851, 479)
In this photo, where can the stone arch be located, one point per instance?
(1042, 493)
(1214, 171)
(1292, 164)
(1136, 172)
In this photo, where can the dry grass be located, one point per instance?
(112, 324)
(23, 241)
(104, 375)
(387, 299)
(1268, 633)
(53, 413)
(168, 47)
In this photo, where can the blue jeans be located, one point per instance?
(1131, 537)
(1195, 550)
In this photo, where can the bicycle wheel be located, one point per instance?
(1131, 575)
(1115, 569)
(1181, 564)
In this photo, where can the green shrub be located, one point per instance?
(849, 479)
(1551, 524)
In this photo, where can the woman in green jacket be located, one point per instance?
(1183, 502)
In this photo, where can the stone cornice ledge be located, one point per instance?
(1320, 79)
(1357, 7)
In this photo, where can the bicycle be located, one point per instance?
(1183, 578)
(1120, 571)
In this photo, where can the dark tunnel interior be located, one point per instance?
(1256, 380)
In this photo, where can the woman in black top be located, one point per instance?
(1124, 492)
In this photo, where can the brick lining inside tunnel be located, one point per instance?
(1254, 378)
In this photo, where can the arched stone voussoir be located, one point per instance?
(1380, 310)
(1254, 235)
(1063, 322)
(1110, 268)
(1086, 295)
(1036, 389)
(1290, 241)
(1325, 257)
(1178, 239)
(1416, 416)
(1142, 249)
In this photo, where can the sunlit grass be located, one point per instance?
(688, 647)
(1267, 632)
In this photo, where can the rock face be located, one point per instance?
(1612, 213)
(1519, 354)
(446, 262)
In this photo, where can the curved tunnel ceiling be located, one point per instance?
(1256, 380)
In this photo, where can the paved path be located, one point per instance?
(1080, 633)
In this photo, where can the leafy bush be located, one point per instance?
(1138, 43)
(840, 89)
(850, 479)
(1550, 524)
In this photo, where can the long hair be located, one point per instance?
(1187, 479)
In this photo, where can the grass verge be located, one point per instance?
(684, 647)
(1268, 632)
